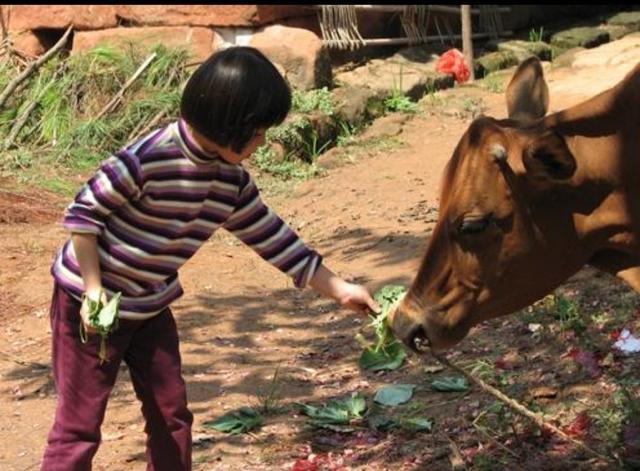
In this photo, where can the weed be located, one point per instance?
(536, 36)
(566, 312)
(493, 82)
(320, 99)
(270, 397)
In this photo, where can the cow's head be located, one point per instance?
(502, 238)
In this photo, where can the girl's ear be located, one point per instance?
(547, 157)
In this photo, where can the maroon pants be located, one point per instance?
(150, 349)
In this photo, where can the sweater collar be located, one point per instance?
(191, 148)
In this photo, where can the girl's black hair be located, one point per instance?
(233, 93)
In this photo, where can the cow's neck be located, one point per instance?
(603, 136)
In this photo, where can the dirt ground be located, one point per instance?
(241, 319)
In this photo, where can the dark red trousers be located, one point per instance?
(150, 349)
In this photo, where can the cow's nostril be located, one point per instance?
(416, 340)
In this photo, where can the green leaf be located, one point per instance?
(335, 413)
(394, 395)
(418, 424)
(109, 313)
(235, 422)
(390, 358)
(449, 384)
(381, 422)
(388, 295)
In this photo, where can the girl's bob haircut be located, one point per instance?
(232, 94)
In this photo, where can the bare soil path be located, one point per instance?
(240, 319)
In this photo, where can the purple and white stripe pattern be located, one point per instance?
(153, 204)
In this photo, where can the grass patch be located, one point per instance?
(62, 133)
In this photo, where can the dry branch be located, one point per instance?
(118, 96)
(22, 119)
(140, 131)
(11, 86)
(516, 406)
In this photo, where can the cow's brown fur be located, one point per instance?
(567, 194)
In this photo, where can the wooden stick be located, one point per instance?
(116, 99)
(11, 86)
(397, 41)
(3, 25)
(400, 8)
(22, 119)
(467, 35)
(516, 406)
(141, 128)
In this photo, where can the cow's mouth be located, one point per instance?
(407, 328)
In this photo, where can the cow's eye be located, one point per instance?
(474, 225)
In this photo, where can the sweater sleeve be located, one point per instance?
(117, 181)
(257, 226)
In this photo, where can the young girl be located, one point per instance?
(145, 212)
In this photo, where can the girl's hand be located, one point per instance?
(356, 298)
(349, 295)
(94, 294)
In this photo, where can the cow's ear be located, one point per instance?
(527, 93)
(548, 157)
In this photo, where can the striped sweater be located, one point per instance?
(153, 204)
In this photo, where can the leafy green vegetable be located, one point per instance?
(417, 424)
(449, 384)
(335, 413)
(388, 353)
(104, 318)
(395, 394)
(389, 359)
(236, 422)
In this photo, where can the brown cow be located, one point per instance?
(527, 202)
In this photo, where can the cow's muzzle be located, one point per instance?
(407, 326)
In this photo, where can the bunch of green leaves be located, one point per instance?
(239, 421)
(104, 317)
(336, 414)
(409, 417)
(387, 353)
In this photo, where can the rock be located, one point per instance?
(201, 42)
(579, 37)
(628, 19)
(82, 17)
(28, 44)
(566, 58)
(493, 61)
(299, 52)
(388, 126)
(411, 72)
(525, 49)
(331, 159)
(189, 15)
(622, 51)
(616, 31)
(352, 103)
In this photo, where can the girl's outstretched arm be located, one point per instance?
(349, 295)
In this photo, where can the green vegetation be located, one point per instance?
(65, 129)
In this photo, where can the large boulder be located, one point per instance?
(189, 15)
(27, 44)
(81, 17)
(201, 42)
(411, 72)
(300, 53)
(580, 37)
(627, 19)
